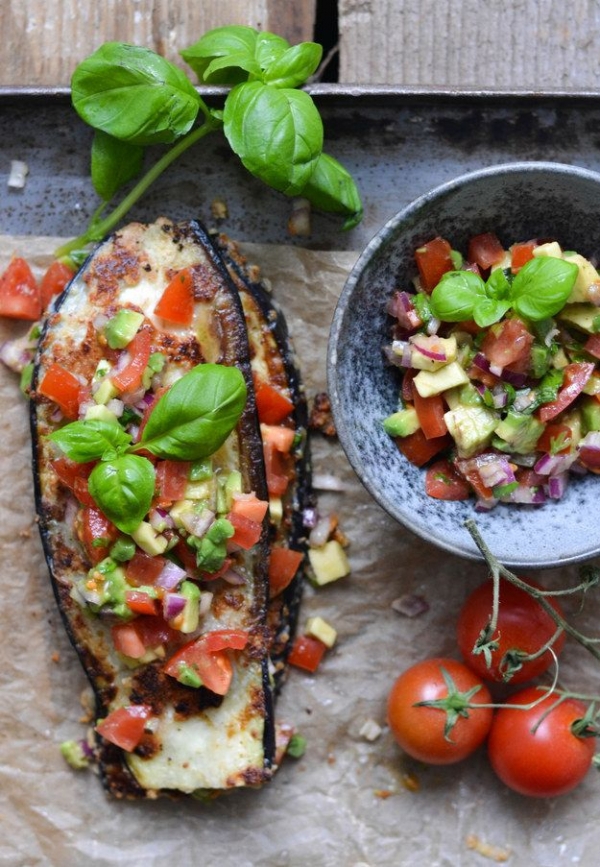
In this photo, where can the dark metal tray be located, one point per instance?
(398, 143)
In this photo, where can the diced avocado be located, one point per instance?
(519, 432)
(316, 627)
(228, 486)
(73, 753)
(541, 358)
(586, 277)
(402, 423)
(180, 508)
(100, 412)
(156, 362)
(148, 539)
(551, 248)
(586, 317)
(435, 382)
(592, 386)
(190, 614)
(559, 359)
(590, 414)
(122, 328)
(205, 491)
(123, 549)
(211, 549)
(201, 470)
(446, 346)
(103, 588)
(471, 428)
(329, 563)
(465, 395)
(188, 676)
(574, 419)
(105, 391)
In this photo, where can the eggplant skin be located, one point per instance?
(197, 741)
(273, 359)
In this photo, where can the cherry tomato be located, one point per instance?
(542, 760)
(523, 625)
(422, 732)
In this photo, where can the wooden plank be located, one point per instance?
(54, 35)
(471, 43)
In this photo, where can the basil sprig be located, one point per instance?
(133, 98)
(539, 290)
(189, 422)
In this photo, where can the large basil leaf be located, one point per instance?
(331, 188)
(542, 286)
(294, 66)
(225, 55)
(114, 163)
(455, 296)
(123, 489)
(276, 132)
(134, 94)
(197, 414)
(91, 440)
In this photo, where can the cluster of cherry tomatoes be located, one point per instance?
(539, 743)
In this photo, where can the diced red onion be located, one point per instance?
(403, 309)
(518, 380)
(320, 532)
(160, 520)
(430, 348)
(400, 353)
(197, 524)
(170, 576)
(527, 495)
(99, 321)
(552, 464)
(86, 749)
(496, 472)
(481, 362)
(557, 485)
(524, 400)
(234, 577)
(496, 369)
(433, 326)
(173, 604)
(17, 354)
(310, 517)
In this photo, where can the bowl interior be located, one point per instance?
(518, 202)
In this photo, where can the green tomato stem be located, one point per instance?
(496, 568)
(99, 228)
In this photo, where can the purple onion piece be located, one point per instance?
(170, 576)
(173, 605)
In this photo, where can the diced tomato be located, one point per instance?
(125, 726)
(54, 281)
(430, 412)
(250, 506)
(213, 668)
(433, 261)
(442, 482)
(282, 438)
(225, 639)
(277, 470)
(592, 345)
(19, 292)
(419, 450)
(171, 480)
(307, 653)
(97, 533)
(212, 576)
(485, 250)
(187, 557)
(139, 351)
(143, 568)
(127, 640)
(556, 439)
(273, 406)
(140, 602)
(283, 565)
(521, 254)
(176, 304)
(508, 344)
(62, 387)
(575, 377)
(74, 476)
(246, 531)
(469, 469)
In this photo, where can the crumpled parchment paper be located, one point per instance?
(350, 801)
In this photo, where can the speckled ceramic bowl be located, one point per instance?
(517, 201)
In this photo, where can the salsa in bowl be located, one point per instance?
(443, 382)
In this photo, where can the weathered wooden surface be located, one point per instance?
(47, 38)
(471, 43)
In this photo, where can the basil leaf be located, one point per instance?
(276, 132)
(134, 94)
(455, 296)
(294, 66)
(497, 285)
(235, 44)
(114, 163)
(542, 286)
(486, 311)
(197, 414)
(91, 440)
(123, 489)
(331, 188)
(269, 48)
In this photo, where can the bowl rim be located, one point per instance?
(379, 239)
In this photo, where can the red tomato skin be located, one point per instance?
(576, 375)
(272, 406)
(485, 250)
(307, 653)
(125, 726)
(419, 731)
(176, 304)
(283, 565)
(544, 763)
(54, 281)
(433, 261)
(61, 386)
(508, 344)
(521, 254)
(522, 624)
(19, 293)
(442, 482)
(419, 450)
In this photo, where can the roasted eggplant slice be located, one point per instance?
(278, 382)
(152, 522)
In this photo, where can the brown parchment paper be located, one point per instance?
(349, 800)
